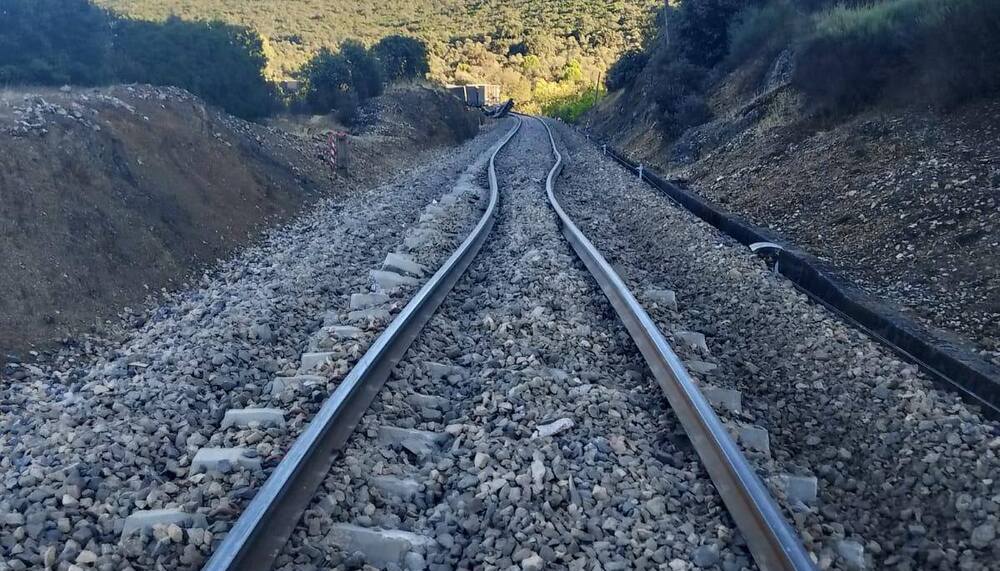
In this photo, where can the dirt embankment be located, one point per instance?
(108, 196)
(905, 202)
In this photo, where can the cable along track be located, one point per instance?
(264, 527)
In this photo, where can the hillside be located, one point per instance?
(890, 174)
(112, 195)
(538, 50)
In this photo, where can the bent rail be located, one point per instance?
(267, 522)
(773, 543)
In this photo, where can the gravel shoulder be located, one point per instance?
(902, 202)
(557, 450)
(906, 475)
(114, 195)
(86, 441)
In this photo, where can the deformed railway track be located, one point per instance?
(265, 525)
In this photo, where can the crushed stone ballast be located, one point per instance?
(271, 517)
(950, 364)
(142, 450)
(264, 526)
(876, 465)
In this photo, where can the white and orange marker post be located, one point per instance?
(332, 144)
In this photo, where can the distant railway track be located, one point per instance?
(262, 530)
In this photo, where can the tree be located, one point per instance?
(54, 42)
(328, 84)
(401, 58)
(340, 81)
(625, 70)
(366, 77)
(698, 30)
(222, 63)
(573, 72)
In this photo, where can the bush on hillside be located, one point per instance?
(943, 51)
(339, 82)
(571, 107)
(366, 76)
(624, 71)
(401, 58)
(698, 30)
(766, 28)
(960, 59)
(693, 38)
(222, 64)
(52, 42)
(328, 86)
(679, 94)
(690, 111)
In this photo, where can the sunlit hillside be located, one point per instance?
(537, 49)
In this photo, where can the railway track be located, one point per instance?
(877, 466)
(429, 476)
(518, 421)
(523, 421)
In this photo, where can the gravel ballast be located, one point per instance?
(906, 475)
(544, 441)
(522, 430)
(87, 441)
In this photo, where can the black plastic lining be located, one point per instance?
(950, 364)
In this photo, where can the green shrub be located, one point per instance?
(768, 28)
(366, 76)
(938, 51)
(847, 73)
(679, 93)
(328, 85)
(52, 42)
(340, 81)
(698, 30)
(221, 63)
(573, 72)
(693, 39)
(675, 78)
(571, 107)
(690, 111)
(960, 57)
(624, 71)
(401, 58)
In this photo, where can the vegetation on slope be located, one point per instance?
(221, 63)
(526, 47)
(844, 55)
(936, 51)
(55, 42)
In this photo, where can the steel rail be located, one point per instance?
(772, 541)
(264, 527)
(952, 366)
